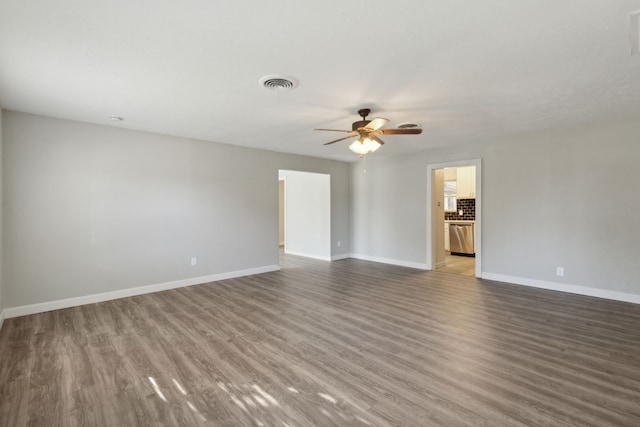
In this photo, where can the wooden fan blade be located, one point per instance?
(336, 130)
(376, 139)
(376, 124)
(413, 131)
(341, 139)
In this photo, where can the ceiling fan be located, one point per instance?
(367, 132)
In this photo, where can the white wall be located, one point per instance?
(565, 198)
(388, 210)
(1, 229)
(307, 214)
(92, 209)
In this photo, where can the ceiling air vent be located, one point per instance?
(408, 125)
(277, 82)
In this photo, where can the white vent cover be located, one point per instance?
(278, 82)
(408, 125)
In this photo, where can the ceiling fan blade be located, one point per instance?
(376, 124)
(413, 131)
(341, 139)
(376, 139)
(336, 130)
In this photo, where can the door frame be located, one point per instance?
(431, 241)
(282, 180)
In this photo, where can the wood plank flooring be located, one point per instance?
(458, 264)
(347, 343)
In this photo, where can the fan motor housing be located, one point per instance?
(360, 124)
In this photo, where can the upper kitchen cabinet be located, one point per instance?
(466, 182)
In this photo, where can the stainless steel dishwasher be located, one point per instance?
(461, 239)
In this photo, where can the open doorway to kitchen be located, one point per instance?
(454, 217)
(305, 214)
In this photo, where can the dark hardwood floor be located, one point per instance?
(347, 343)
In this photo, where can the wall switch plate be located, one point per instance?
(560, 271)
(338, 243)
(194, 260)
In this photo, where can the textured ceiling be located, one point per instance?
(466, 70)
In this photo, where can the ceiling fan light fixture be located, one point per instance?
(364, 146)
(367, 132)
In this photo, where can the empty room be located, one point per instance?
(249, 213)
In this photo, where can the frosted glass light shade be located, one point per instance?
(364, 146)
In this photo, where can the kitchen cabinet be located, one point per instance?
(466, 182)
(450, 174)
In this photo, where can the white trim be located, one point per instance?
(478, 223)
(562, 287)
(340, 256)
(323, 258)
(401, 263)
(1, 319)
(284, 208)
(123, 293)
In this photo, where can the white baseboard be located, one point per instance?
(323, 258)
(340, 256)
(562, 287)
(401, 263)
(123, 293)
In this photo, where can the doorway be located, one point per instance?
(305, 214)
(454, 216)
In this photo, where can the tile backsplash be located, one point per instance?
(468, 207)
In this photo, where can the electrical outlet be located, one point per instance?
(560, 271)
(194, 260)
(338, 243)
